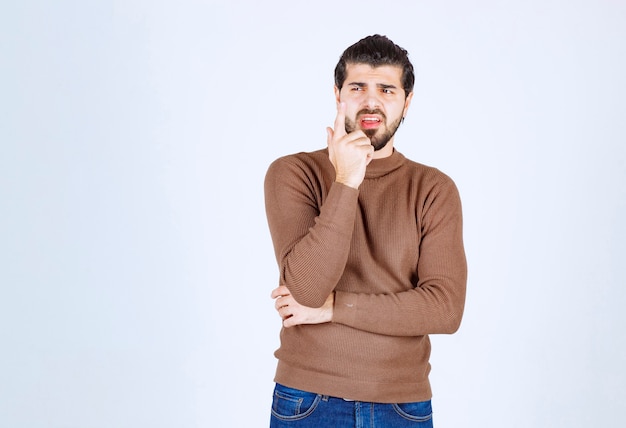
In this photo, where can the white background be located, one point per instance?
(135, 261)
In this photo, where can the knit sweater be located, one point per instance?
(392, 251)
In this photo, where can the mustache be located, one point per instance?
(371, 111)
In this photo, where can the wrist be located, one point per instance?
(329, 306)
(347, 182)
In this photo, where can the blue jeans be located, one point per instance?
(293, 408)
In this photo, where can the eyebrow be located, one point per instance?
(378, 85)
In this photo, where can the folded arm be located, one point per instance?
(434, 305)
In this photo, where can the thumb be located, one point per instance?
(280, 291)
(329, 135)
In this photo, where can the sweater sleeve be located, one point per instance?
(311, 242)
(436, 303)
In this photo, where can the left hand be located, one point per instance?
(293, 313)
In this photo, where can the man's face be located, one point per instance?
(375, 102)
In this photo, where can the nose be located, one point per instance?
(372, 101)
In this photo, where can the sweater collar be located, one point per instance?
(380, 167)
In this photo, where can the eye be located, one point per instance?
(387, 91)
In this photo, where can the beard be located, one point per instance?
(378, 141)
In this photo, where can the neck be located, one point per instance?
(385, 151)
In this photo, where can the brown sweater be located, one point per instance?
(393, 253)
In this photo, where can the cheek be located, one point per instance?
(351, 114)
(351, 110)
(352, 99)
(350, 126)
(397, 110)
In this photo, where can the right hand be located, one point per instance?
(349, 153)
(293, 313)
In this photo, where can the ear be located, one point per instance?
(337, 94)
(407, 103)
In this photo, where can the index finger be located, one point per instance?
(340, 120)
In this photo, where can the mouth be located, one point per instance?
(370, 121)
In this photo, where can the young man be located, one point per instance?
(370, 253)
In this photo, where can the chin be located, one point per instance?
(380, 146)
(378, 143)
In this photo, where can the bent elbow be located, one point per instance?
(452, 323)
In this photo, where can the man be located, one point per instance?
(370, 252)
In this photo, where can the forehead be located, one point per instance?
(388, 74)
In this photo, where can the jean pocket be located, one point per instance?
(420, 411)
(293, 404)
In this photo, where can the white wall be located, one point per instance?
(136, 264)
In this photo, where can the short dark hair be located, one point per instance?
(376, 50)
